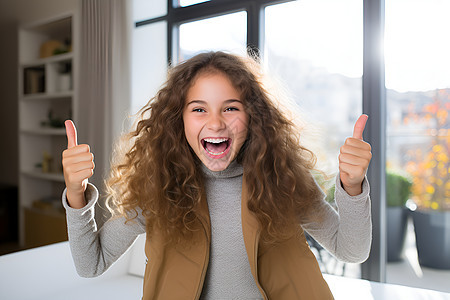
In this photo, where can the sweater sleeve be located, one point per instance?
(94, 251)
(346, 232)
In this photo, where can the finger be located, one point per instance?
(357, 143)
(353, 160)
(84, 148)
(69, 160)
(74, 168)
(359, 127)
(357, 149)
(71, 132)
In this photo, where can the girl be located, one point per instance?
(217, 179)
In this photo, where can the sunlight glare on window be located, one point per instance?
(184, 3)
(326, 33)
(315, 47)
(417, 45)
(226, 33)
(144, 9)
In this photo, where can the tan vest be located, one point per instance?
(287, 270)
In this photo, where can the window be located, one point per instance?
(146, 10)
(418, 133)
(330, 52)
(321, 63)
(148, 71)
(226, 33)
(184, 3)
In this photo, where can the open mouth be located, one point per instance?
(216, 147)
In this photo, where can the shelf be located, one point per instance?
(45, 131)
(47, 96)
(48, 60)
(46, 176)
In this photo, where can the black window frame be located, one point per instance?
(373, 92)
(178, 15)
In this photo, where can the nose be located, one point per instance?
(216, 122)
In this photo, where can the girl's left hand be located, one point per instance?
(354, 159)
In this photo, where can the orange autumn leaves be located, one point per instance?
(430, 168)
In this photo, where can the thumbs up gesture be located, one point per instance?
(354, 159)
(78, 166)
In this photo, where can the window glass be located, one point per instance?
(314, 47)
(190, 2)
(148, 9)
(227, 32)
(149, 62)
(317, 52)
(417, 61)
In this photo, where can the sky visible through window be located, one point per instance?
(417, 44)
(227, 32)
(321, 32)
(416, 38)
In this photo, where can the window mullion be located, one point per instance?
(253, 28)
(374, 104)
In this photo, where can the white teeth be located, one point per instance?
(215, 141)
(216, 154)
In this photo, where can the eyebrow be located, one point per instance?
(204, 102)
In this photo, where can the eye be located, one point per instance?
(198, 110)
(232, 108)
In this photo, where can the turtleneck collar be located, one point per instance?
(234, 169)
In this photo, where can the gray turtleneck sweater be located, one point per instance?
(345, 233)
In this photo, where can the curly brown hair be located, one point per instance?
(160, 174)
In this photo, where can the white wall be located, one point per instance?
(13, 13)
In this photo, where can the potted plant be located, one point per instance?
(398, 190)
(431, 188)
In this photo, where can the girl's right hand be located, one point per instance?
(78, 166)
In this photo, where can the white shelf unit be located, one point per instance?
(47, 86)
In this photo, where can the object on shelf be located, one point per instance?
(34, 80)
(64, 82)
(65, 77)
(46, 162)
(66, 47)
(51, 47)
(48, 204)
(52, 121)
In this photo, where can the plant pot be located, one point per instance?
(396, 232)
(432, 230)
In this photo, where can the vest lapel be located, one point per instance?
(289, 270)
(251, 232)
(178, 271)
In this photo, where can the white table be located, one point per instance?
(48, 273)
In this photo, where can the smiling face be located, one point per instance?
(215, 122)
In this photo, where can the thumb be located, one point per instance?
(359, 127)
(71, 132)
